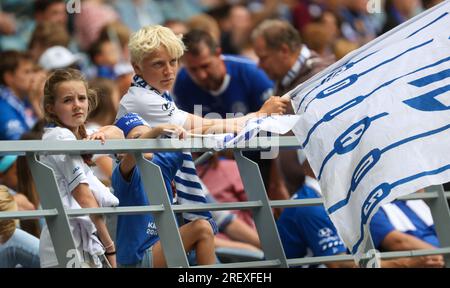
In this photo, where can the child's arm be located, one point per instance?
(106, 132)
(163, 129)
(273, 105)
(128, 162)
(85, 199)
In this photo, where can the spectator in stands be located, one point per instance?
(306, 12)
(308, 231)
(225, 86)
(155, 52)
(357, 24)
(53, 11)
(26, 17)
(58, 57)
(105, 56)
(67, 102)
(138, 243)
(19, 111)
(119, 34)
(220, 83)
(289, 62)
(46, 35)
(406, 225)
(17, 248)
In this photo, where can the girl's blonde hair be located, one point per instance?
(7, 203)
(150, 38)
(57, 77)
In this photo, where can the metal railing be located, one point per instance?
(163, 212)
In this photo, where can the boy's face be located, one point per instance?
(20, 79)
(158, 69)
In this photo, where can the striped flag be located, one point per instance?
(376, 125)
(190, 191)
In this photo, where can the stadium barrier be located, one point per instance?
(164, 213)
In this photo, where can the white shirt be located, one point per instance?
(152, 107)
(70, 171)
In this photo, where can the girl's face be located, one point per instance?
(71, 104)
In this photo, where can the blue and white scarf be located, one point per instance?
(304, 55)
(187, 182)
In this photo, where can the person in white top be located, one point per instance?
(67, 102)
(155, 53)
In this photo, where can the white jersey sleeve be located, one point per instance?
(151, 107)
(69, 167)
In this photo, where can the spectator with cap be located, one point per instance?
(58, 57)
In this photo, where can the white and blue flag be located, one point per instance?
(376, 125)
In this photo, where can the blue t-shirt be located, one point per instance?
(16, 117)
(381, 225)
(308, 231)
(246, 91)
(136, 233)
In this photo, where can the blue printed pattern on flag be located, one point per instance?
(376, 125)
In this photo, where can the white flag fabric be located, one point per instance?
(279, 124)
(376, 125)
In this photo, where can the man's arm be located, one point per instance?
(398, 241)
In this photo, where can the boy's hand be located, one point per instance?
(173, 131)
(274, 105)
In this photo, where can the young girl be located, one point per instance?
(67, 103)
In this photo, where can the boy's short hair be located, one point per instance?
(149, 38)
(10, 61)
